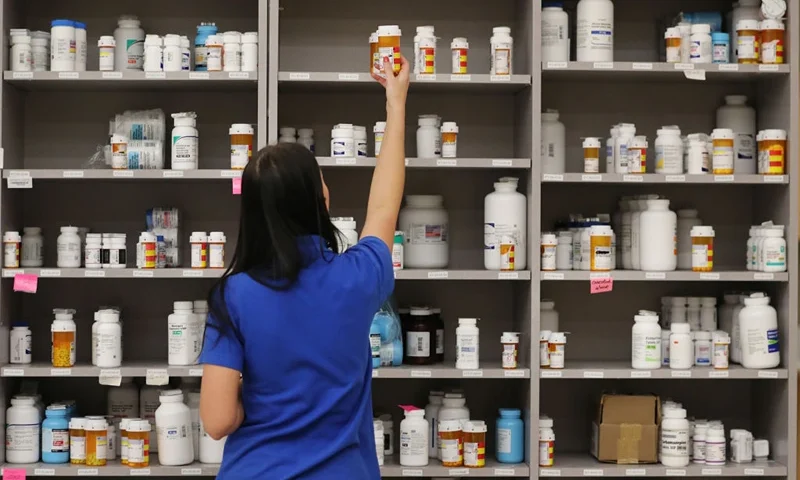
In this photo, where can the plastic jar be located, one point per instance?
(772, 152)
(414, 434)
(505, 227)
(722, 153)
(646, 341)
(343, 141)
(715, 445)
(675, 433)
(600, 253)
(720, 47)
(185, 140)
(216, 250)
(502, 48)
(146, 251)
(11, 249)
(232, 52)
(681, 349)
(553, 143)
(138, 443)
(627, 131)
(748, 34)
(40, 51)
(420, 341)
(107, 339)
(449, 139)
(549, 244)
(173, 57)
(153, 53)
(96, 442)
(460, 51)
(475, 444)
(595, 31)
(426, 225)
(118, 255)
(669, 151)
(379, 129)
(22, 431)
(241, 145)
(428, 137)
(63, 338)
(20, 344)
(129, 38)
(557, 349)
(69, 248)
(591, 155)
(173, 427)
(758, 333)
(199, 249)
(700, 50)
(555, 33)
(250, 52)
(185, 338)
(55, 435)
(510, 436)
(214, 48)
(21, 58)
(658, 232)
(389, 47)
(547, 442)
(510, 355)
(305, 137)
(467, 344)
(107, 47)
(77, 441)
(63, 46)
(702, 248)
(772, 38)
(672, 38)
(374, 58)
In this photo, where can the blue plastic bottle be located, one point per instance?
(200, 50)
(55, 435)
(375, 344)
(510, 439)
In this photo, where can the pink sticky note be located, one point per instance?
(26, 282)
(601, 285)
(13, 474)
(237, 185)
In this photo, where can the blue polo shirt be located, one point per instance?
(306, 367)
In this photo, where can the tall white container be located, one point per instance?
(675, 433)
(174, 430)
(555, 34)
(426, 225)
(129, 38)
(23, 427)
(740, 118)
(595, 31)
(148, 404)
(744, 10)
(758, 333)
(657, 232)
(687, 219)
(554, 137)
(505, 215)
(107, 340)
(429, 137)
(646, 341)
(123, 401)
(414, 439)
(432, 414)
(184, 338)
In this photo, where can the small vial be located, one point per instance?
(199, 254)
(673, 39)
(12, 242)
(591, 155)
(557, 349)
(449, 139)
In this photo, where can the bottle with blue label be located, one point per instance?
(510, 436)
(200, 49)
(55, 435)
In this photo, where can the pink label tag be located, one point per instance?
(26, 282)
(601, 285)
(13, 474)
(408, 408)
(237, 185)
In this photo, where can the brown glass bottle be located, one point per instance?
(420, 338)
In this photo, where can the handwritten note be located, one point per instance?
(26, 282)
(13, 474)
(601, 285)
(237, 185)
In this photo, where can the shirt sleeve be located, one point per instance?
(372, 261)
(222, 348)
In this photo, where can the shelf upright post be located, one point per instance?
(264, 81)
(272, 71)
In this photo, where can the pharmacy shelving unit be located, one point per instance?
(638, 88)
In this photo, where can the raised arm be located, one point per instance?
(388, 180)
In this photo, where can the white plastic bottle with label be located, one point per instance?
(675, 438)
(657, 233)
(69, 248)
(435, 402)
(414, 439)
(626, 133)
(547, 441)
(107, 340)
(174, 430)
(467, 344)
(425, 37)
(505, 214)
(610, 142)
(595, 31)
(700, 49)
(687, 219)
(555, 34)
(32, 254)
(23, 426)
(502, 50)
(646, 341)
(427, 135)
(553, 143)
(715, 445)
(129, 39)
(185, 141)
(20, 344)
(739, 117)
(772, 251)
(681, 348)
(185, 342)
(210, 450)
(636, 230)
(758, 333)
(669, 151)
(426, 225)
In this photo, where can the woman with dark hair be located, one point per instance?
(287, 370)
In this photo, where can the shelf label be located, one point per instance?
(230, 173)
(420, 373)
(767, 68)
(552, 177)
(143, 274)
(111, 377)
(438, 275)
(346, 161)
(191, 471)
(111, 75)
(199, 76)
(756, 472)
(11, 273)
(729, 67)
(633, 178)
(695, 74)
(709, 276)
(446, 162)
(50, 272)
(504, 472)
(593, 375)
(411, 473)
(472, 373)
(122, 174)
(549, 472)
(675, 472)
(239, 75)
(189, 273)
(68, 75)
(458, 472)
(635, 472)
(508, 276)
(72, 174)
(552, 276)
(719, 374)
(514, 373)
(550, 374)
(22, 75)
(592, 177)
(767, 374)
(173, 174)
(155, 75)
(655, 275)
(87, 472)
(681, 374)
(774, 179)
(426, 77)
(675, 178)
(94, 273)
(349, 77)
(60, 372)
(601, 285)
(139, 472)
(502, 162)
(299, 76)
(641, 374)
(500, 78)
(460, 78)
(157, 376)
(723, 178)
(684, 66)
(40, 472)
(763, 276)
(195, 372)
(555, 65)
(13, 372)
(642, 66)
(593, 472)
(603, 65)
(375, 374)
(711, 471)
(20, 180)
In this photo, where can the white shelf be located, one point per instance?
(135, 369)
(443, 163)
(493, 469)
(658, 71)
(676, 276)
(489, 370)
(592, 370)
(115, 469)
(132, 80)
(649, 178)
(362, 80)
(98, 174)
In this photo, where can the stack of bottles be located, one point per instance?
(165, 222)
(583, 243)
(766, 248)
(305, 137)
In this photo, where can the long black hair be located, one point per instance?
(282, 200)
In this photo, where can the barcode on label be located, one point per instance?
(723, 178)
(346, 161)
(22, 75)
(173, 173)
(603, 65)
(642, 66)
(239, 75)
(422, 77)
(729, 67)
(767, 68)
(500, 78)
(460, 78)
(553, 65)
(773, 179)
(68, 75)
(633, 178)
(684, 66)
(230, 173)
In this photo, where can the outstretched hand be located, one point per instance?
(396, 85)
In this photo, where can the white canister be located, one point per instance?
(426, 225)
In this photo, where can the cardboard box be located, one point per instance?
(626, 429)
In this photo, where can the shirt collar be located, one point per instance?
(312, 247)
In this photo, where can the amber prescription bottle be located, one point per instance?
(591, 155)
(449, 139)
(63, 342)
(722, 151)
(241, 145)
(510, 342)
(772, 36)
(600, 245)
(774, 142)
(420, 337)
(475, 444)
(748, 41)
(374, 59)
(77, 441)
(702, 248)
(451, 443)
(460, 49)
(139, 444)
(544, 348)
(389, 46)
(96, 442)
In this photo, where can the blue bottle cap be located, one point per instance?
(62, 23)
(510, 412)
(80, 25)
(720, 37)
(159, 238)
(20, 324)
(553, 4)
